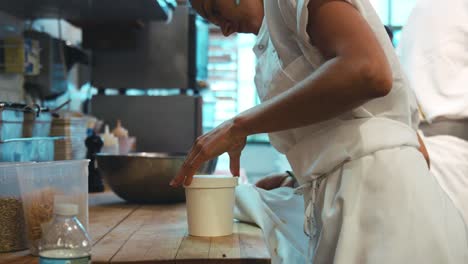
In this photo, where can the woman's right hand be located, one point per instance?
(224, 138)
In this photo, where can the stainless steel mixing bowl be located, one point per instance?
(145, 177)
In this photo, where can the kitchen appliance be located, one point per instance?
(170, 56)
(157, 55)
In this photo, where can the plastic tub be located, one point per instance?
(45, 184)
(12, 227)
(210, 205)
(27, 149)
(11, 120)
(37, 123)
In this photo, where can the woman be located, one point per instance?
(336, 102)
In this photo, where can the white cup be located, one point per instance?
(210, 205)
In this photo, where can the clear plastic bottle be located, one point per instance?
(65, 241)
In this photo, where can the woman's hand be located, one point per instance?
(275, 181)
(227, 137)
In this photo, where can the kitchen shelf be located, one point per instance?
(90, 10)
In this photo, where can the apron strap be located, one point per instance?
(312, 187)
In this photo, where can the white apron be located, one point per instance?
(361, 173)
(278, 212)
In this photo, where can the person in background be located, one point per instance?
(336, 102)
(433, 51)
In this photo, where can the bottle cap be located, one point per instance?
(119, 131)
(108, 138)
(66, 209)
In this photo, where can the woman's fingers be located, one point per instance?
(192, 163)
(186, 169)
(234, 163)
(177, 181)
(195, 164)
(207, 147)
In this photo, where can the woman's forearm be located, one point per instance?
(338, 86)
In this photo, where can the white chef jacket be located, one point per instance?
(434, 53)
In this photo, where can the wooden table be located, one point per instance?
(129, 233)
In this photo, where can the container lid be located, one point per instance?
(212, 181)
(66, 209)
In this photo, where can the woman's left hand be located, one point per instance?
(276, 181)
(224, 138)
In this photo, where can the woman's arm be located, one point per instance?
(356, 71)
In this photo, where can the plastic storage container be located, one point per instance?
(74, 131)
(45, 184)
(27, 149)
(37, 123)
(210, 205)
(69, 148)
(11, 120)
(12, 227)
(64, 239)
(69, 126)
